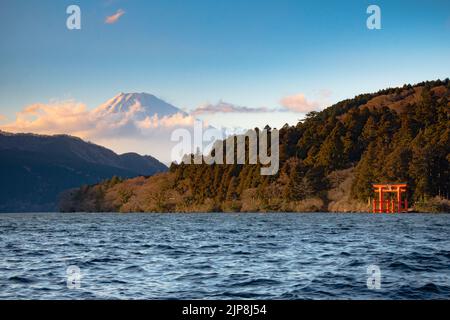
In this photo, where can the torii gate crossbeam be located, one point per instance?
(383, 205)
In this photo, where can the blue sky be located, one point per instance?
(192, 52)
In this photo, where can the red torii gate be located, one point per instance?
(390, 205)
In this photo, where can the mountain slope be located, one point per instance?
(327, 163)
(35, 169)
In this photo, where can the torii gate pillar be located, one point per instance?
(390, 205)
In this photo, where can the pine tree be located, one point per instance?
(364, 174)
(331, 154)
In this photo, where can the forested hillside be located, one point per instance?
(35, 169)
(328, 162)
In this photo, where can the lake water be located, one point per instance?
(224, 256)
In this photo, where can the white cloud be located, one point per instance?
(175, 120)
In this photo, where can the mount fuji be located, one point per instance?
(129, 122)
(140, 104)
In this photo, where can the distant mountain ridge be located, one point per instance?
(35, 169)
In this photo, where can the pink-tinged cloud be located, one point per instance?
(63, 117)
(129, 130)
(225, 107)
(299, 103)
(115, 17)
(74, 118)
(2, 117)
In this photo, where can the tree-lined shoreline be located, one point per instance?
(328, 162)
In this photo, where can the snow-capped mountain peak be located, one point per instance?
(144, 103)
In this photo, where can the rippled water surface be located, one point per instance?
(224, 256)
